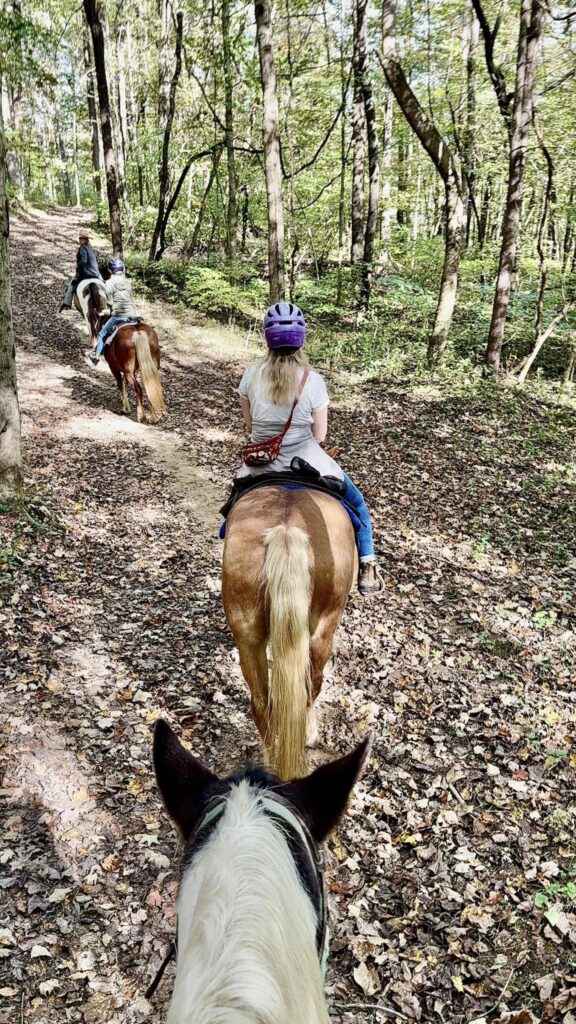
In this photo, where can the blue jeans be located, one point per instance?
(364, 535)
(70, 292)
(109, 326)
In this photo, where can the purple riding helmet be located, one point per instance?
(284, 326)
(116, 266)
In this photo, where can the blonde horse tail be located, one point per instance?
(150, 375)
(288, 592)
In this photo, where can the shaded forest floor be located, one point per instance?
(452, 881)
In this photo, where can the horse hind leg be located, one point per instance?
(140, 414)
(254, 665)
(121, 382)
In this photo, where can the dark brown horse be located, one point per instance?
(134, 348)
(289, 563)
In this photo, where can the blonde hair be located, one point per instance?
(281, 374)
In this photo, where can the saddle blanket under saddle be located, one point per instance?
(300, 476)
(132, 322)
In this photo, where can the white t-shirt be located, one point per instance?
(269, 419)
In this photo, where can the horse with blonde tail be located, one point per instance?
(289, 563)
(135, 348)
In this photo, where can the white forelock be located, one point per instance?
(246, 928)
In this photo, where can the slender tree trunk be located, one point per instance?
(174, 197)
(245, 192)
(64, 170)
(484, 213)
(402, 182)
(387, 210)
(531, 22)
(342, 188)
(14, 158)
(358, 137)
(448, 169)
(193, 247)
(468, 148)
(232, 210)
(94, 19)
(76, 170)
(92, 119)
(373, 166)
(122, 107)
(294, 242)
(164, 173)
(570, 368)
(271, 137)
(10, 449)
(133, 118)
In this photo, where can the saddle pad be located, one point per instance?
(125, 323)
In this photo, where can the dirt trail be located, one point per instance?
(112, 616)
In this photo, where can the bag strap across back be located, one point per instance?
(288, 423)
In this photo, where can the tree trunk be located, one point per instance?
(232, 210)
(122, 107)
(245, 191)
(76, 170)
(358, 138)
(94, 19)
(342, 188)
(448, 169)
(570, 368)
(543, 263)
(531, 21)
(14, 158)
(164, 173)
(373, 164)
(174, 197)
(64, 171)
(271, 137)
(10, 450)
(92, 119)
(387, 211)
(468, 147)
(204, 203)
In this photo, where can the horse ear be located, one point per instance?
(323, 795)
(182, 779)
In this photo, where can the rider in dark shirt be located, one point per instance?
(86, 266)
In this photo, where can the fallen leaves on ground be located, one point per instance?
(449, 881)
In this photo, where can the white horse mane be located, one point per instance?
(246, 927)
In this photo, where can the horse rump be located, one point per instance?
(149, 371)
(287, 583)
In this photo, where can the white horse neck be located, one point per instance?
(246, 928)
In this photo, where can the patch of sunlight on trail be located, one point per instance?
(190, 484)
(46, 772)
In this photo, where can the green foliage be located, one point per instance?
(205, 289)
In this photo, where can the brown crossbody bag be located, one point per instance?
(260, 453)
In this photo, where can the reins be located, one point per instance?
(275, 806)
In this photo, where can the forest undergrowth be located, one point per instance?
(452, 880)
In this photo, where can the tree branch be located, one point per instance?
(503, 97)
(421, 125)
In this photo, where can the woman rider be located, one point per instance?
(122, 310)
(267, 391)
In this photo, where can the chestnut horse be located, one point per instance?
(133, 347)
(289, 563)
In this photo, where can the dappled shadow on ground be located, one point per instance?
(463, 670)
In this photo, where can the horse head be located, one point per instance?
(251, 863)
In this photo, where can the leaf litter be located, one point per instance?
(449, 881)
